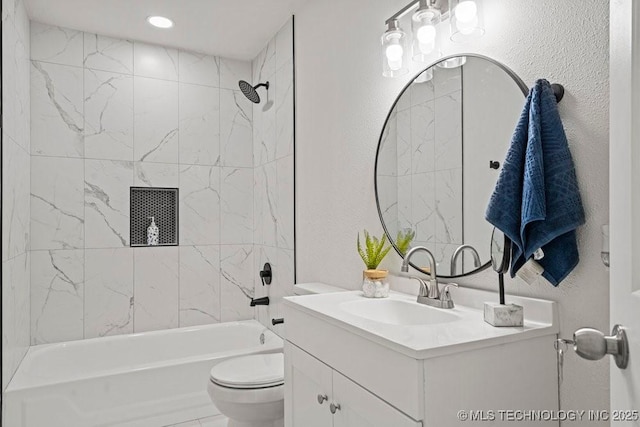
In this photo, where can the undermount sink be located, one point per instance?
(397, 312)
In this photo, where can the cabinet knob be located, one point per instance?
(322, 398)
(334, 407)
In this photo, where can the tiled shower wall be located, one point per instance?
(108, 114)
(273, 136)
(15, 186)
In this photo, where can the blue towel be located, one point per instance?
(536, 202)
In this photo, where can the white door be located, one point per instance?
(625, 197)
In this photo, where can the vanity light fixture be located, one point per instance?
(394, 47)
(465, 23)
(160, 22)
(425, 76)
(425, 35)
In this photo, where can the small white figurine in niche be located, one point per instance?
(152, 233)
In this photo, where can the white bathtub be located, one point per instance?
(148, 379)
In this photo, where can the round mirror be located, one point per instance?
(439, 156)
(500, 251)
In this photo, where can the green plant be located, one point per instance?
(374, 250)
(404, 239)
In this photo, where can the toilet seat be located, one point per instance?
(256, 371)
(222, 395)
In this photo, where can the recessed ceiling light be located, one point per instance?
(160, 21)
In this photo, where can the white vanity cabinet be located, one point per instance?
(383, 374)
(318, 396)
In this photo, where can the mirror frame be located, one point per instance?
(505, 256)
(525, 91)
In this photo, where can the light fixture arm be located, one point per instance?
(441, 5)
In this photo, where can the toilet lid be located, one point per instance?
(254, 371)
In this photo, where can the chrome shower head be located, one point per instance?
(250, 91)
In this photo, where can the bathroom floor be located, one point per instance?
(217, 421)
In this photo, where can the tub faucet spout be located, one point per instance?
(259, 301)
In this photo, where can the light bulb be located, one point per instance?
(426, 34)
(467, 27)
(393, 50)
(466, 11)
(394, 54)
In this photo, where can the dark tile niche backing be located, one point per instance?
(160, 203)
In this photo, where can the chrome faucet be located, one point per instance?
(444, 301)
(456, 254)
(432, 289)
(429, 293)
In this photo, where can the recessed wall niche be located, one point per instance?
(162, 205)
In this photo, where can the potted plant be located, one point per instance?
(374, 281)
(404, 239)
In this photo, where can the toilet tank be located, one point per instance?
(315, 288)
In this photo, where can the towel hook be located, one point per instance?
(558, 91)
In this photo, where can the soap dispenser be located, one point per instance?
(152, 233)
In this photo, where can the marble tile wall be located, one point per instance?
(16, 144)
(108, 114)
(273, 175)
(422, 167)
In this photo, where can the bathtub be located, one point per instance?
(149, 379)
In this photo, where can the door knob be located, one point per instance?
(591, 344)
(322, 398)
(334, 407)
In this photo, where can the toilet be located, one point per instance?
(249, 390)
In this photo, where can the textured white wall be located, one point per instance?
(342, 101)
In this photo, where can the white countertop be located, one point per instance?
(426, 341)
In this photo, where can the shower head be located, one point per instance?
(250, 91)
